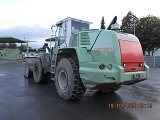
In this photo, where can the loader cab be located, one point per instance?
(66, 28)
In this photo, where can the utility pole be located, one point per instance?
(27, 49)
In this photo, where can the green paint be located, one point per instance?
(11, 54)
(96, 47)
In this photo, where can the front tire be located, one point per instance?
(67, 80)
(38, 75)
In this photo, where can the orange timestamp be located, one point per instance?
(130, 105)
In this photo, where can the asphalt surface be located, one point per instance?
(23, 99)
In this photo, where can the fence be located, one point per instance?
(152, 61)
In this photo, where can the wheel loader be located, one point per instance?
(83, 58)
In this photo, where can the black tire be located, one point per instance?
(67, 80)
(111, 90)
(38, 75)
(28, 73)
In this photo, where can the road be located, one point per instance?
(23, 99)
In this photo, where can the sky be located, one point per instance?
(34, 18)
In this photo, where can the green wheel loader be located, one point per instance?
(84, 58)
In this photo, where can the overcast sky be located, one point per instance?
(33, 18)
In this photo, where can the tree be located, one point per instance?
(12, 45)
(103, 24)
(22, 47)
(148, 32)
(128, 22)
(3, 45)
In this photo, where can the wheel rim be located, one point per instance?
(36, 70)
(62, 79)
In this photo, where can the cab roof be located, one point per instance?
(10, 40)
(69, 18)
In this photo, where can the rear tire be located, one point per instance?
(38, 75)
(67, 80)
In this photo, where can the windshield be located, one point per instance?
(79, 26)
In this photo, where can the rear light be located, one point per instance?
(124, 65)
(109, 66)
(140, 64)
(102, 66)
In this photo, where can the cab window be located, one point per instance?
(73, 41)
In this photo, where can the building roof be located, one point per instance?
(10, 40)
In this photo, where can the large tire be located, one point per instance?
(111, 90)
(28, 73)
(67, 80)
(38, 75)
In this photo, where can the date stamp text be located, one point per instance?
(130, 105)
